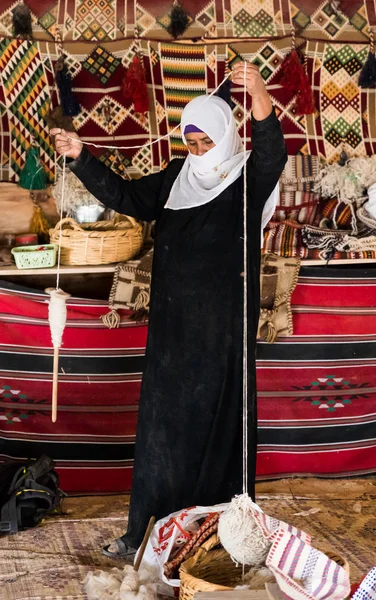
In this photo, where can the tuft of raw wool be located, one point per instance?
(55, 118)
(336, 181)
(74, 191)
(22, 26)
(119, 584)
(105, 586)
(347, 182)
(179, 20)
(364, 169)
(256, 578)
(240, 535)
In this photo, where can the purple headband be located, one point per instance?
(192, 129)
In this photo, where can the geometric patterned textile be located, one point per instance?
(253, 19)
(285, 239)
(26, 100)
(93, 438)
(184, 78)
(255, 30)
(101, 64)
(340, 99)
(316, 389)
(95, 19)
(106, 20)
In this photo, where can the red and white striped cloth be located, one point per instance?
(301, 571)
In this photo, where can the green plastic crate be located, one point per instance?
(35, 257)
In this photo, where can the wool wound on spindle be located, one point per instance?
(240, 535)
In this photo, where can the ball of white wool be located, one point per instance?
(239, 534)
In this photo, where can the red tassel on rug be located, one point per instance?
(304, 100)
(295, 79)
(292, 72)
(292, 68)
(135, 87)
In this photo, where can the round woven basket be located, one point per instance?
(98, 243)
(211, 569)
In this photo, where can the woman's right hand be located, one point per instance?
(67, 146)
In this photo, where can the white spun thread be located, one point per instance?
(61, 217)
(76, 141)
(57, 315)
(245, 299)
(245, 320)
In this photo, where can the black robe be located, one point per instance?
(189, 434)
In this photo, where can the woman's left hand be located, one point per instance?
(253, 79)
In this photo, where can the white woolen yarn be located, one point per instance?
(119, 584)
(104, 585)
(240, 535)
(57, 315)
(257, 577)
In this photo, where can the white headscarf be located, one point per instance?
(203, 178)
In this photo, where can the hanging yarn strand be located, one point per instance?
(245, 313)
(238, 529)
(57, 309)
(245, 300)
(149, 144)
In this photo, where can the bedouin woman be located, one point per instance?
(189, 433)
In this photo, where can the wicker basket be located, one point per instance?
(98, 243)
(211, 569)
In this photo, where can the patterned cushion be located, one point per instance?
(298, 201)
(284, 239)
(328, 209)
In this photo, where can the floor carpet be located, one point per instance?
(51, 561)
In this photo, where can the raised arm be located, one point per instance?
(139, 198)
(268, 155)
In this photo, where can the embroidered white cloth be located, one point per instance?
(301, 571)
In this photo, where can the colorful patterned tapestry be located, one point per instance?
(316, 390)
(99, 386)
(98, 42)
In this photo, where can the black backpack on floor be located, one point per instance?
(28, 492)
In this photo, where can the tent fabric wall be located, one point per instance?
(316, 389)
(99, 45)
